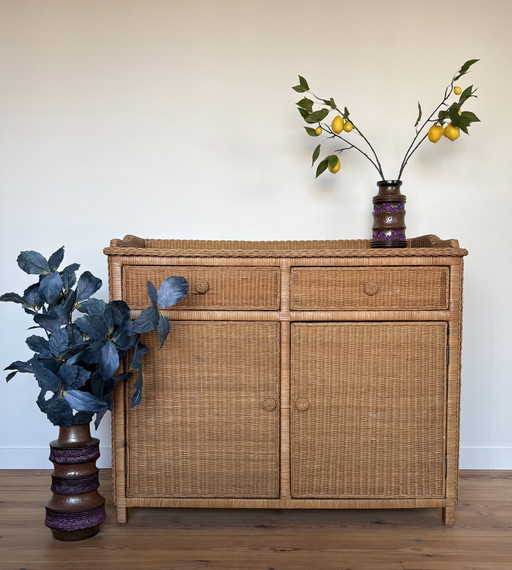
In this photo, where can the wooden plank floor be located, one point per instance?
(182, 539)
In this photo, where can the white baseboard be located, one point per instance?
(486, 458)
(37, 458)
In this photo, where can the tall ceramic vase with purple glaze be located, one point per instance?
(76, 509)
(389, 215)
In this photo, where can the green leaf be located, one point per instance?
(304, 114)
(466, 94)
(311, 132)
(317, 116)
(465, 68)
(332, 103)
(316, 154)
(306, 104)
(332, 160)
(299, 89)
(419, 115)
(322, 166)
(470, 117)
(303, 83)
(345, 114)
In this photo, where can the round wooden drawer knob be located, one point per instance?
(302, 404)
(201, 286)
(371, 288)
(269, 404)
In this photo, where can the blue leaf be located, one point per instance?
(32, 297)
(57, 409)
(120, 312)
(59, 342)
(153, 295)
(49, 322)
(46, 379)
(33, 263)
(12, 298)
(163, 329)
(56, 259)
(50, 288)
(93, 307)
(87, 286)
(147, 321)
(38, 344)
(84, 401)
(138, 354)
(73, 376)
(69, 276)
(172, 290)
(109, 360)
(94, 326)
(92, 354)
(137, 394)
(19, 366)
(99, 417)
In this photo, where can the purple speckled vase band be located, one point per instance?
(75, 521)
(74, 454)
(76, 485)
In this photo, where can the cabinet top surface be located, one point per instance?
(424, 246)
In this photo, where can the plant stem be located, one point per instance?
(376, 163)
(351, 145)
(413, 146)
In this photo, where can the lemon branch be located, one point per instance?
(306, 109)
(375, 162)
(453, 113)
(413, 146)
(457, 121)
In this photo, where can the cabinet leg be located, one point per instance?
(121, 514)
(449, 516)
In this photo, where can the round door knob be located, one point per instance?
(301, 404)
(371, 288)
(201, 286)
(269, 404)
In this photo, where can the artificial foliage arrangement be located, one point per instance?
(447, 120)
(77, 358)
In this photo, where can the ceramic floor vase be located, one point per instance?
(389, 215)
(76, 509)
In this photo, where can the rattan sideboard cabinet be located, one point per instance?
(315, 374)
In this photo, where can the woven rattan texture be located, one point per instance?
(222, 288)
(369, 288)
(206, 426)
(372, 429)
(421, 246)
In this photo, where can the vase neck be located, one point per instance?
(75, 434)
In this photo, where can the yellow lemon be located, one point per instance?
(348, 126)
(335, 168)
(435, 133)
(318, 131)
(457, 90)
(337, 124)
(451, 132)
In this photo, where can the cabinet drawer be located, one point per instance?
(382, 288)
(222, 288)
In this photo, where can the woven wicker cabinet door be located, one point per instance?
(208, 424)
(368, 410)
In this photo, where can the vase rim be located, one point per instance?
(389, 182)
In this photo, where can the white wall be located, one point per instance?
(176, 119)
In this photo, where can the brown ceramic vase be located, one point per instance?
(76, 509)
(389, 215)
